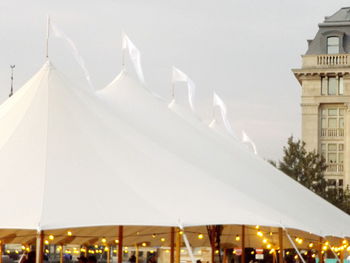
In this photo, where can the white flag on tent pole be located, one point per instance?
(179, 76)
(135, 56)
(246, 139)
(59, 34)
(219, 103)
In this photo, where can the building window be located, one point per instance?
(332, 86)
(334, 155)
(332, 121)
(333, 45)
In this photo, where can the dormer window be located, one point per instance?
(333, 45)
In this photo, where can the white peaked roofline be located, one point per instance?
(128, 156)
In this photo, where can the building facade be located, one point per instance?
(325, 100)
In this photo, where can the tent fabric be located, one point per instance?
(71, 162)
(74, 158)
(225, 159)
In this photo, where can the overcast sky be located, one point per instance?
(244, 49)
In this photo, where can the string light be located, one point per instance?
(106, 249)
(96, 246)
(287, 253)
(200, 236)
(51, 237)
(162, 239)
(259, 233)
(154, 235)
(313, 255)
(238, 238)
(181, 232)
(217, 251)
(264, 241)
(144, 244)
(270, 233)
(257, 227)
(69, 233)
(46, 242)
(252, 252)
(268, 246)
(311, 245)
(116, 241)
(104, 240)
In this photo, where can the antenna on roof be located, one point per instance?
(11, 91)
(47, 36)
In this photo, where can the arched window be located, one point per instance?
(332, 45)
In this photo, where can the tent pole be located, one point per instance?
(1, 246)
(243, 245)
(108, 254)
(39, 246)
(212, 243)
(320, 256)
(120, 245)
(137, 253)
(178, 246)
(225, 256)
(61, 254)
(341, 257)
(172, 244)
(280, 237)
(86, 251)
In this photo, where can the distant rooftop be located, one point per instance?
(342, 15)
(335, 27)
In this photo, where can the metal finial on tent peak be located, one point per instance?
(47, 36)
(11, 90)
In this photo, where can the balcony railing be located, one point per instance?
(325, 61)
(334, 132)
(335, 167)
(330, 60)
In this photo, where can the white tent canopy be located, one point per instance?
(70, 158)
(223, 158)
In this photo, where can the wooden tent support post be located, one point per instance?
(61, 253)
(86, 251)
(224, 260)
(172, 245)
(137, 253)
(108, 254)
(243, 244)
(39, 247)
(178, 246)
(1, 248)
(280, 238)
(341, 257)
(320, 256)
(120, 245)
(212, 243)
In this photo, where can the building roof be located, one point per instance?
(338, 25)
(342, 15)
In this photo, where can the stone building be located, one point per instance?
(325, 100)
